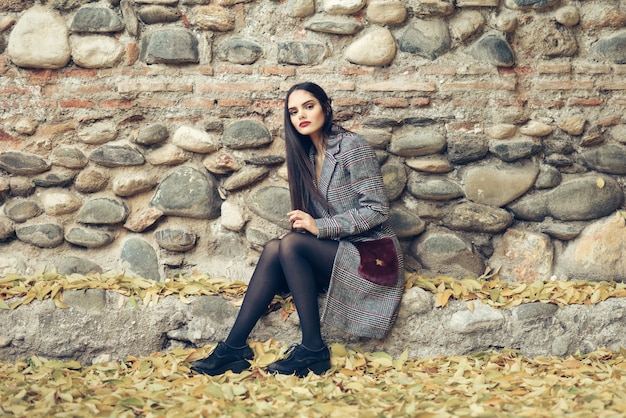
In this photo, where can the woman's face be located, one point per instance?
(306, 112)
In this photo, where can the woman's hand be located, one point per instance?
(302, 220)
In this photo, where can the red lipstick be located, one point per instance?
(303, 124)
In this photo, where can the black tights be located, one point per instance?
(298, 262)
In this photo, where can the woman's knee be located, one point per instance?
(272, 245)
(271, 249)
(292, 242)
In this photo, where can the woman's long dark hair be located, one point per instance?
(300, 170)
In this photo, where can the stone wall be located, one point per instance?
(145, 135)
(96, 327)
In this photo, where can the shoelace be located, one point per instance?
(291, 350)
(299, 347)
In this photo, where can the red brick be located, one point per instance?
(546, 104)
(116, 104)
(198, 103)
(554, 68)
(592, 69)
(44, 104)
(185, 19)
(392, 102)
(437, 70)
(477, 69)
(132, 54)
(611, 85)
(80, 73)
(469, 102)
(582, 101)
(158, 103)
(41, 76)
(206, 70)
(509, 85)
(398, 85)
(420, 101)
(619, 69)
(315, 71)
(562, 85)
(522, 70)
(278, 70)
(6, 90)
(609, 121)
(234, 69)
(354, 70)
(86, 104)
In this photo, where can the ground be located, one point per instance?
(359, 384)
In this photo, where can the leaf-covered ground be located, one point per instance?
(359, 384)
(17, 290)
(488, 384)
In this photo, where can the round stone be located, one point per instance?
(46, 235)
(177, 240)
(376, 48)
(40, 39)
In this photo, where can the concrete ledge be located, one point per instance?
(102, 325)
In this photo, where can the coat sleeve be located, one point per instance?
(356, 195)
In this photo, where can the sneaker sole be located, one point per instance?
(317, 368)
(235, 367)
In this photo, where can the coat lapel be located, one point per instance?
(329, 165)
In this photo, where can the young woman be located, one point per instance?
(340, 244)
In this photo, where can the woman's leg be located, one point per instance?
(266, 281)
(307, 263)
(234, 354)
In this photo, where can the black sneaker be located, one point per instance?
(301, 360)
(224, 358)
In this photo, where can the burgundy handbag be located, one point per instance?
(379, 261)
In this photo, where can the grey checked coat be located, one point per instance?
(358, 210)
